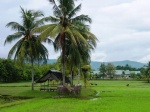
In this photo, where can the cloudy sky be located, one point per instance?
(121, 26)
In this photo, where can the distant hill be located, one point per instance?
(95, 65)
(51, 61)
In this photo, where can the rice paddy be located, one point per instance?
(106, 96)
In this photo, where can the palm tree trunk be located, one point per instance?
(38, 62)
(63, 61)
(71, 77)
(79, 73)
(84, 79)
(32, 76)
(63, 73)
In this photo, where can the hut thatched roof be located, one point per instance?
(52, 75)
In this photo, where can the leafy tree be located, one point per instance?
(110, 70)
(143, 72)
(12, 72)
(133, 75)
(123, 74)
(9, 72)
(103, 70)
(29, 47)
(126, 67)
(139, 76)
(119, 67)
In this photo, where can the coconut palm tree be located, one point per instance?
(65, 25)
(28, 47)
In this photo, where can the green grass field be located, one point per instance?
(111, 96)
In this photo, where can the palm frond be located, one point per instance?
(21, 52)
(84, 52)
(38, 23)
(70, 34)
(91, 38)
(37, 14)
(15, 26)
(49, 31)
(42, 21)
(22, 11)
(40, 29)
(57, 12)
(74, 12)
(51, 19)
(55, 30)
(14, 48)
(56, 44)
(72, 53)
(12, 37)
(66, 6)
(43, 51)
(78, 35)
(82, 19)
(81, 26)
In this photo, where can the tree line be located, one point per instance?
(12, 72)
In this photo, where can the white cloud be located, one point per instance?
(37, 4)
(98, 56)
(145, 59)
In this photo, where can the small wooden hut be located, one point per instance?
(50, 76)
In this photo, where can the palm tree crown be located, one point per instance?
(25, 47)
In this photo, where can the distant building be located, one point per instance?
(120, 73)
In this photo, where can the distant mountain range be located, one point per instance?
(95, 64)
